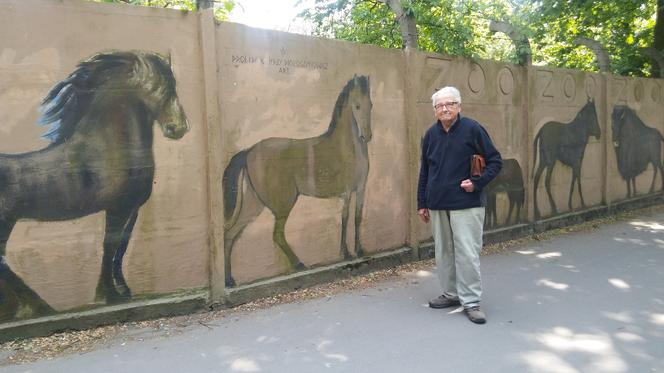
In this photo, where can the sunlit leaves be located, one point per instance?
(222, 8)
(461, 27)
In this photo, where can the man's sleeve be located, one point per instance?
(424, 175)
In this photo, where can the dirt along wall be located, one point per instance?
(150, 153)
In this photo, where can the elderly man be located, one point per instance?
(453, 200)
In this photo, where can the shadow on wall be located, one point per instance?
(275, 171)
(100, 158)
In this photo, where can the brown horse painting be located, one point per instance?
(564, 143)
(275, 171)
(99, 159)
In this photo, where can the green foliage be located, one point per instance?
(461, 27)
(221, 10)
(621, 26)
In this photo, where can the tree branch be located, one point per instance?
(521, 43)
(601, 54)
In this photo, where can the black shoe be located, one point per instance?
(475, 314)
(443, 302)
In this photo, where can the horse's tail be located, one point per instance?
(231, 183)
(538, 139)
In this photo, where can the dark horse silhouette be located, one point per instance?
(564, 142)
(100, 158)
(509, 180)
(275, 171)
(636, 146)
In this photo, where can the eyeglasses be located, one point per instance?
(449, 105)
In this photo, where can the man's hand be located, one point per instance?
(424, 215)
(468, 186)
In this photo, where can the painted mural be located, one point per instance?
(275, 171)
(636, 146)
(100, 158)
(510, 181)
(564, 143)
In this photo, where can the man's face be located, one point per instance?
(446, 109)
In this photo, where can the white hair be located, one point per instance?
(446, 91)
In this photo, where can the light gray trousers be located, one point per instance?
(457, 236)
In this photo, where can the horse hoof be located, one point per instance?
(230, 283)
(359, 252)
(299, 266)
(346, 253)
(116, 299)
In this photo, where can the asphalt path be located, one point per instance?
(588, 301)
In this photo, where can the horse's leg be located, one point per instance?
(279, 238)
(571, 191)
(510, 197)
(578, 186)
(13, 290)
(547, 184)
(490, 210)
(230, 236)
(229, 240)
(654, 175)
(359, 204)
(538, 175)
(119, 225)
(521, 198)
(250, 207)
(344, 226)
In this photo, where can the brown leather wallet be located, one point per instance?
(477, 164)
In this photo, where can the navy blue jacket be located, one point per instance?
(446, 162)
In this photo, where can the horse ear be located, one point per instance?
(168, 58)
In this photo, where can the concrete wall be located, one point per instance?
(43, 41)
(263, 109)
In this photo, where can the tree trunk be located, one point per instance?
(204, 4)
(658, 42)
(406, 20)
(658, 58)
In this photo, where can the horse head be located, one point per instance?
(141, 78)
(359, 99)
(590, 114)
(617, 121)
(161, 98)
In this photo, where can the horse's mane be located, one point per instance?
(586, 112)
(69, 100)
(363, 82)
(629, 113)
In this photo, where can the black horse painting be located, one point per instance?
(99, 159)
(509, 180)
(565, 143)
(275, 171)
(636, 146)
